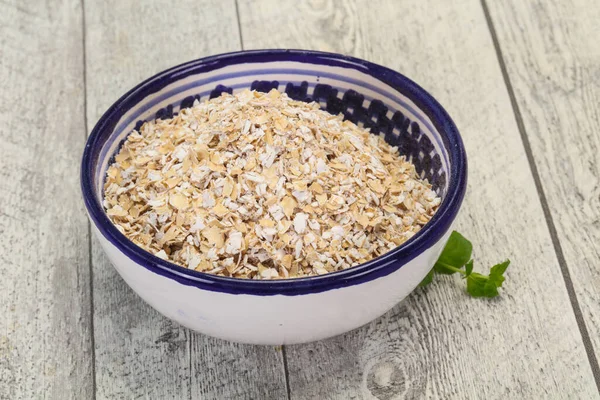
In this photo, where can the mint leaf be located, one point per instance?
(497, 272)
(469, 268)
(487, 286)
(480, 286)
(455, 255)
(428, 279)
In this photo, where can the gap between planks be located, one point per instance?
(239, 25)
(566, 275)
(89, 224)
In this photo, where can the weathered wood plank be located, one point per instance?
(225, 370)
(441, 343)
(45, 335)
(553, 60)
(139, 353)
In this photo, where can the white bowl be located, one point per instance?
(288, 310)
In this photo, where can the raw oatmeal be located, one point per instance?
(256, 185)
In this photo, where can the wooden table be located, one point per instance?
(519, 77)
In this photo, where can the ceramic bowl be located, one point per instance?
(289, 310)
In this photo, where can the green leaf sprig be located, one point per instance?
(456, 258)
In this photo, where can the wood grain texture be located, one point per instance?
(441, 343)
(553, 61)
(139, 353)
(45, 335)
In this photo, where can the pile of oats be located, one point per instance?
(260, 186)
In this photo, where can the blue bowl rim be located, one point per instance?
(381, 266)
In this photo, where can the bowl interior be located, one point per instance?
(360, 97)
(370, 95)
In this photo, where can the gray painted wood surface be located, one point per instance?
(67, 334)
(553, 60)
(45, 335)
